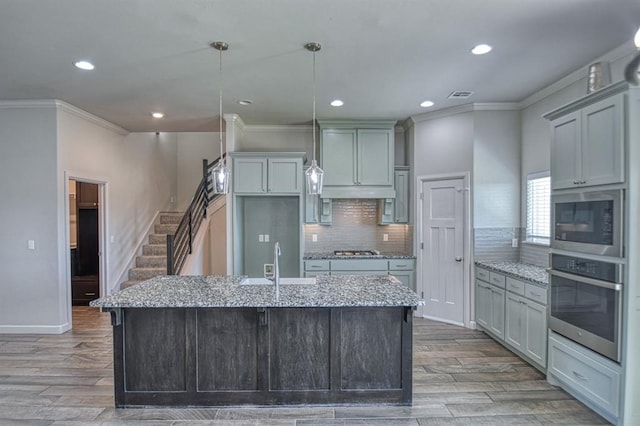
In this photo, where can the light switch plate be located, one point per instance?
(31, 244)
(261, 238)
(266, 238)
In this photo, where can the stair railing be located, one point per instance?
(180, 244)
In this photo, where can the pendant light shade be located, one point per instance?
(314, 173)
(632, 70)
(221, 175)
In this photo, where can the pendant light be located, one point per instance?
(314, 174)
(632, 70)
(220, 172)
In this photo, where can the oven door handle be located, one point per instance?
(590, 281)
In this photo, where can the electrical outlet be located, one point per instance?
(385, 237)
(514, 242)
(261, 238)
(31, 244)
(314, 238)
(266, 238)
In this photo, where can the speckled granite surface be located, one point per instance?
(330, 255)
(524, 271)
(226, 291)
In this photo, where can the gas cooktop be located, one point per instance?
(356, 252)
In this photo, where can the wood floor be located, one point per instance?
(460, 377)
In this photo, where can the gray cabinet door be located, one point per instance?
(401, 203)
(514, 322)
(311, 209)
(375, 153)
(483, 300)
(603, 142)
(566, 163)
(405, 277)
(285, 175)
(536, 332)
(249, 175)
(339, 157)
(497, 312)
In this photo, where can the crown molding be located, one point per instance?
(64, 106)
(441, 113)
(497, 106)
(235, 120)
(279, 128)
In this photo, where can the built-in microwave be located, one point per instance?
(588, 222)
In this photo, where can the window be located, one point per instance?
(539, 208)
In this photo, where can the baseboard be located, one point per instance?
(35, 329)
(459, 324)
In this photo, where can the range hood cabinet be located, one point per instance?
(357, 158)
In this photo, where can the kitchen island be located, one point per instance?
(213, 341)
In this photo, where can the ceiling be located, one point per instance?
(381, 57)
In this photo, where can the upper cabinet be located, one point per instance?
(587, 141)
(256, 173)
(86, 195)
(357, 158)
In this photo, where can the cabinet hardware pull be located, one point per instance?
(579, 376)
(535, 294)
(89, 294)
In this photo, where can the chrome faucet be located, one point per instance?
(276, 268)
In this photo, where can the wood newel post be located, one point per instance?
(170, 255)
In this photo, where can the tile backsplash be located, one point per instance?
(355, 226)
(495, 244)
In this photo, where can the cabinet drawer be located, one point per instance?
(482, 274)
(536, 293)
(402, 265)
(597, 378)
(316, 265)
(515, 286)
(85, 289)
(497, 279)
(359, 265)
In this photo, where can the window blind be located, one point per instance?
(539, 208)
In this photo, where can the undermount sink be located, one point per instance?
(264, 281)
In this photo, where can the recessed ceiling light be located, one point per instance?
(245, 102)
(337, 103)
(426, 104)
(84, 65)
(481, 49)
(157, 114)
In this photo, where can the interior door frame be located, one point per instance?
(466, 241)
(103, 231)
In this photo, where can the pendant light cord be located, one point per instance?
(313, 123)
(220, 118)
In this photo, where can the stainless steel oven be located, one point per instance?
(589, 222)
(586, 302)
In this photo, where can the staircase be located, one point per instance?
(153, 261)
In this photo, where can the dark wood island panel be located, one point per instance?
(262, 356)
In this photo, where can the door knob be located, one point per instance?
(458, 259)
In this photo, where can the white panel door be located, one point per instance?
(442, 262)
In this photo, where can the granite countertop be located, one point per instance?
(524, 271)
(227, 292)
(331, 255)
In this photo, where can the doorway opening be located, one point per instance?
(85, 240)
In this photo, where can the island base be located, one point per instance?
(211, 357)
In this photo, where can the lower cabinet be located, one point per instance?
(514, 312)
(490, 308)
(594, 379)
(403, 269)
(526, 327)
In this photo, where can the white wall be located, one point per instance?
(278, 138)
(30, 295)
(192, 148)
(443, 145)
(496, 169)
(140, 171)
